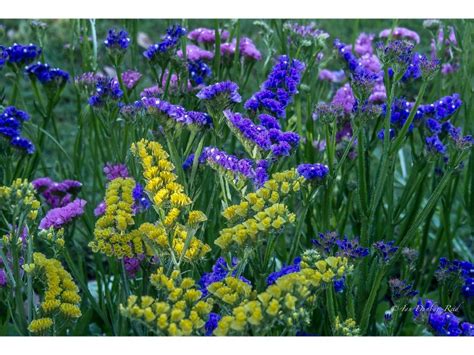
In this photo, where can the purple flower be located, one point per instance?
(142, 202)
(248, 50)
(117, 41)
(344, 98)
(313, 171)
(363, 44)
(385, 249)
(11, 122)
(100, 209)
(107, 90)
(57, 194)
(332, 76)
(194, 53)
(131, 78)
(226, 89)
(285, 270)
(153, 91)
(132, 265)
(21, 55)
(228, 49)
(309, 31)
(114, 171)
(51, 78)
(401, 289)
(434, 145)
(400, 33)
(162, 50)
(206, 35)
(211, 323)
(58, 217)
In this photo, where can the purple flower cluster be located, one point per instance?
(132, 265)
(220, 270)
(363, 44)
(11, 122)
(19, 55)
(114, 171)
(277, 91)
(227, 89)
(57, 194)
(142, 202)
(345, 99)
(285, 270)
(194, 53)
(59, 217)
(332, 76)
(199, 71)
(462, 271)
(440, 321)
(117, 41)
(212, 323)
(50, 77)
(313, 171)
(206, 35)
(401, 289)
(106, 90)
(130, 78)
(385, 249)
(169, 41)
(400, 33)
(174, 114)
(88, 81)
(218, 159)
(309, 31)
(267, 139)
(331, 242)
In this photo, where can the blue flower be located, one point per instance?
(385, 249)
(313, 171)
(11, 122)
(285, 270)
(117, 41)
(142, 202)
(199, 71)
(21, 55)
(211, 323)
(162, 50)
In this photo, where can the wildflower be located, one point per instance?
(195, 53)
(401, 289)
(331, 76)
(211, 323)
(363, 44)
(117, 41)
(460, 272)
(434, 145)
(400, 33)
(11, 122)
(309, 31)
(107, 90)
(160, 52)
(131, 78)
(53, 79)
(279, 88)
(199, 71)
(248, 49)
(227, 90)
(285, 270)
(346, 328)
(60, 216)
(132, 265)
(206, 35)
(385, 249)
(114, 171)
(19, 55)
(20, 195)
(312, 171)
(40, 325)
(344, 99)
(57, 194)
(142, 202)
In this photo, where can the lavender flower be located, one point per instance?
(11, 122)
(160, 52)
(227, 90)
(130, 78)
(400, 33)
(363, 44)
(331, 76)
(401, 289)
(248, 49)
(100, 209)
(206, 35)
(114, 171)
(344, 98)
(313, 171)
(59, 217)
(107, 90)
(194, 53)
(57, 194)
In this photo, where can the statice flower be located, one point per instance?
(385, 249)
(59, 217)
(114, 171)
(363, 44)
(460, 272)
(281, 85)
(51, 78)
(400, 33)
(199, 71)
(107, 90)
(11, 122)
(332, 76)
(132, 265)
(309, 31)
(117, 41)
(57, 194)
(220, 270)
(350, 248)
(172, 116)
(326, 241)
(19, 55)
(401, 289)
(152, 91)
(161, 52)
(226, 90)
(440, 321)
(313, 171)
(211, 323)
(248, 50)
(100, 209)
(435, 146)
(228, 49)
(3, 278)
(345, 99)
(142, 202)
(285, 270)
(195, 53)
(398, 54)
(207, 35)
(233, 166)
(87, 82)
(130, 78)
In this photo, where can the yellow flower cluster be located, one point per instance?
(61, 295)
(231, 290)
(289, 301)
(182, 313)
(111, 235)
(19, 197)
(260, 212)
(346, 328)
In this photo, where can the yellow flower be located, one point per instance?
(40, 325)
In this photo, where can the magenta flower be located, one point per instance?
(206, 35)
(131, 78)
(400, 33)
(58, 217)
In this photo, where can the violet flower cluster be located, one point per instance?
(267, 136)
(195, 53)
(247, 50)
(285, 270)
(385, 249)
(440, 321)
(107, 90)
(19, 55)
(315, 172)
(227, 90)
(172, 116)
(57, 194)
(11, 122)
(61, 216)
(168, 42)
(206, 35)
(199, 71)
(278, 90)
(117, 41)
(51, 77)
(400, 33)
(330, 243)
(459, 270)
